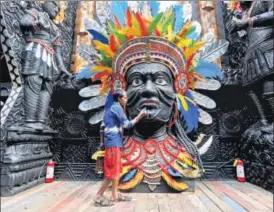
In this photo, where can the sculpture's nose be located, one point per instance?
(150, 89)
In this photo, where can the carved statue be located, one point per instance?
(156, 67)
(41, 62)
(258, 21)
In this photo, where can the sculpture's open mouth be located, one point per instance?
(149, 104)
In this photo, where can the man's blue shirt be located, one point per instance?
(114, 121)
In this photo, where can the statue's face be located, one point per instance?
(150, 86)
(52, 8)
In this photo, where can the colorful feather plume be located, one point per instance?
(133, 182)
(179, 186)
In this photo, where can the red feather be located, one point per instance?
(157, 32)
(112, 44)
(129, 37)
(189, 61)
(143, 27)
(129, 18)
(117, 22)
(100, 75)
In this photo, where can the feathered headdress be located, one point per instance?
(161, 37)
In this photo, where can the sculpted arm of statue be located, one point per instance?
(264, 19)
(59, 59)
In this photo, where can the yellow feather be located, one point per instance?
(179, 186)
(133, 182)
(101, 69)
(130, 31)
(183, 157)
(190, 100)
(189, 51)
(183, 42)
(183, 101)
(170, 36)
(104, 47)
(98, 154)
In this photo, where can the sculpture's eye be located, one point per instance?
(160, 80)
(137, 81)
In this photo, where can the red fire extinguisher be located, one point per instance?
(50, 171)
(240, 170)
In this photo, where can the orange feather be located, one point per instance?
(143, 27)
(100, 75)
(129, 18)
(117, 22)
(112, 43)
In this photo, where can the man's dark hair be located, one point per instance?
(118, 94)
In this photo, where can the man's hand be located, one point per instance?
(142, 114)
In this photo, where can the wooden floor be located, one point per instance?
(77, 196)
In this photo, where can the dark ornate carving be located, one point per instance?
(237, 45)
(25, 151)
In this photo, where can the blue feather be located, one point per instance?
(208, 70)
(118, 8)
(179, 14)
(191, 117)
(98, 36)
(128, 176)
(109, 101)
(193, 35)
(84, 73)
(173, 173)
(154, 6)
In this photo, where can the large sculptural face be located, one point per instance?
(52, 8)
(150, 86)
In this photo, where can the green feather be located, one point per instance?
(154, 23)
(105, 59)
(112, 30)
(169, 20)
(191, 29)
(110, 27)
(121, 37)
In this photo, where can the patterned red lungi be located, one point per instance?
(112, 163)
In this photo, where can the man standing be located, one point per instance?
(111, 137)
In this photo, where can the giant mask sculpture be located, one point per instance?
(159, 65)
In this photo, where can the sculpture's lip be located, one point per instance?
(149, 102)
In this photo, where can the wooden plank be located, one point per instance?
(254, 195)
(174, 202)
(29, 199)
(206, 200)
(62, 195)
(186, 205)
(51, 197)
(80, 199)
(215, 196)
(152, 202)
(249, 189)
(224, 197)
(6, 201)
(243, 200)
(196, 202)
(163, 203)
(68, 198)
